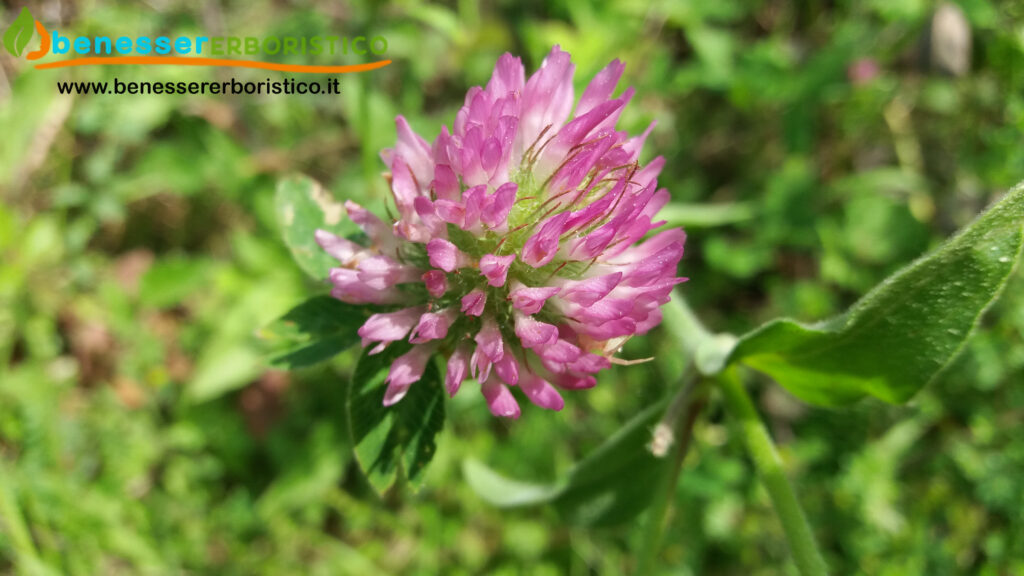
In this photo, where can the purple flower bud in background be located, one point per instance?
(862, 71)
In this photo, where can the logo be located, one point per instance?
(188, 51)
(18, 35)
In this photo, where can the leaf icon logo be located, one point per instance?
(18, 35)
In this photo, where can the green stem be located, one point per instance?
(707, 215)
(769, 467)
(682, 427)
(683, 325)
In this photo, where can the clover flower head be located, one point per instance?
(525, 249)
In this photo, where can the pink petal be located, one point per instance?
(451, 212)
(443, 149)
(490, 155)
(587, 292)
(533, 333)
(574, 382)
(499, 205)
(633, 146)
(436, 282)
(573, 167)
(380, 272)
(444, 255)
(341, 249)
(406, 370)
(480, 365)
(652, 320)
(654, 267)
(349, 287)
(508, 76)
(648, 174)
(547, 97)
(445, 184)
(601, 87)
(473, 303)
(530, 300)
(507, 368)
(495, 268)
(543, 245)
(414, 150)
(594, 243)
(576, 132)
(609, 329)
(590, 363)
(606, 310)
(657, 202)
(374, 227)
(433, 326)
(473, 203)
(559, 351)
(390, 326)
(458, 367)
(428, 215)
(472, 172)
(597, 208)
(403, 186)
(488, 339)
(541, 393)
(500, 399)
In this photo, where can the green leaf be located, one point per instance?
(505, 492)
(173, 279)
(610, 486)
(314, 469)
(396, 441)
(313, 331)
(902, 334)
(20, 32)
(303, 206)
(613, 484)
(224, 366)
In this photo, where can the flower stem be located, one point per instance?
(769, 467)
(682, 427)
(683, 325)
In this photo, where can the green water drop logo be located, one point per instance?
(18, 35)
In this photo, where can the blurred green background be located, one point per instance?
(813, 147)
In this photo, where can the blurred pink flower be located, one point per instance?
(519, 251)
(862, 71)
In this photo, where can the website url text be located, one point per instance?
(288, 86)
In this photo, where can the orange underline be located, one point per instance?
(187, 61)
